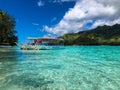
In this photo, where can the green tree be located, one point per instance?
(7, 32)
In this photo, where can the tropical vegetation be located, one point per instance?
(7, 31)
(102, 35)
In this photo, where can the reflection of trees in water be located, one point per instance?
(8, 58)
(13, 72)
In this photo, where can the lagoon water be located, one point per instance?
(72, 68)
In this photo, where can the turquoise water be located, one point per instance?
(72, 68)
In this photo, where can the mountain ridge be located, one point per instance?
(102, 35)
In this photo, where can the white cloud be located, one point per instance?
(40, 3)
(60, 1)
(106, 22)
(36, 24)
(99, 12)
(54, 19)
(48, 36)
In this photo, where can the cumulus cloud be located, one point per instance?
(49, 36)
(54, 19)
(59, 1)
(40, 3)
(106, 22)
(35, 24)
(96, 12)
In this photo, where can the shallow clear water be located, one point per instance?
(72, 68)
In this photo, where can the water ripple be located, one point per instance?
(72, 68)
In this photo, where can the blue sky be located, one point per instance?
(32, 15)
(53, 18)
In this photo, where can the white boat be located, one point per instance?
(42, 44)
(28, 47)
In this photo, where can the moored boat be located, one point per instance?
(42, 44)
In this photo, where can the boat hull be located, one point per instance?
(39, 47)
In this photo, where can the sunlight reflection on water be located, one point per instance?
(72, 68)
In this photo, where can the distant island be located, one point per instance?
(7, 32)
(102, 35)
